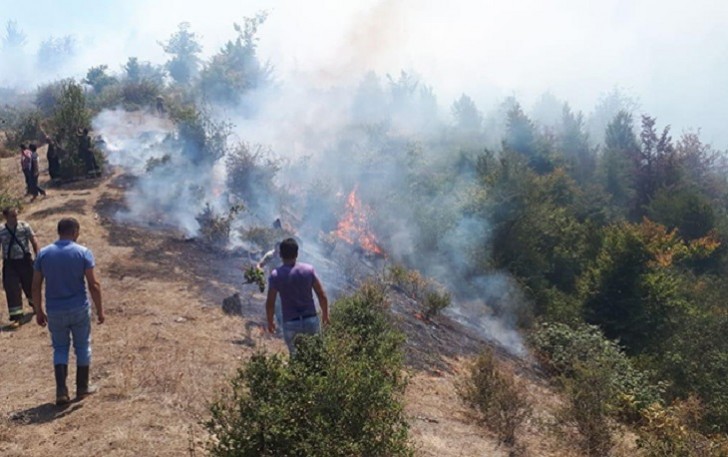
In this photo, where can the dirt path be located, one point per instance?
(165, 349)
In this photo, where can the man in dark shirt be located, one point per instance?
(296, 282)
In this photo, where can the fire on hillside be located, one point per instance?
(353, 228)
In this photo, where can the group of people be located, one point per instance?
(66, 268)
(31, 170)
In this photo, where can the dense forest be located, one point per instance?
(601, 238)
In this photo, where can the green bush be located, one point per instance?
(21, 126)
(340, 396)
(496, 395)
(572, 352)
(431, 297)
(215, 227)
(590, 390)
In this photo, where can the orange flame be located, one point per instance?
(354, 227)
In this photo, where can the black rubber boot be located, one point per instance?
(61, 389)
(83, 388)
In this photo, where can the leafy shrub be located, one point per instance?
(589, 390)
(435, 301)
(431, 297)
(21, 126)
(202, 139)
(265, 238)
(139, 94)
(496, 395)
(572, 352)
(215, 227)
(251, 173)
(340, 396)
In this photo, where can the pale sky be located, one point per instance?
(672, 55)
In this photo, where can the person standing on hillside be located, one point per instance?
(64, 265)
(53, 155)
(26, 158)
(87, 154)
(16, 238)
(296, 283)
(35, 188)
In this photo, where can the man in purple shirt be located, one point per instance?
(296, 282)
(66, 267)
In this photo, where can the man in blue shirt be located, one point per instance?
(64, 265)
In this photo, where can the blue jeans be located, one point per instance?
(71, 325)
(295, 327)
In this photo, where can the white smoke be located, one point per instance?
(171, 189)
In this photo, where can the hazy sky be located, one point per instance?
(671, 54)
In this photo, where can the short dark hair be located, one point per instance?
(33, 147)
(22, 146)
(7, 209)
(289, 249)
(68, 226)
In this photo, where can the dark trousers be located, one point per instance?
(27, 175)
(17, 278)
(91, 166)
(34, 187)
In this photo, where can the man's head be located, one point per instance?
(289, 249)
(85, 131)
(23, 147)
(33, 147)
(68, 228)
(11, 214)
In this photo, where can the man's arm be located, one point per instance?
(37, 294)
(270, 305)
(34, 243)
(94, 288)
(323, 300)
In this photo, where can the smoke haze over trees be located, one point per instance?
(531, 188)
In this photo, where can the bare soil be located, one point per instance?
(167, 348)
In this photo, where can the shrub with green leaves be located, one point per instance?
(340, 396)
(432, 297)
(568, 351)
(496, 395)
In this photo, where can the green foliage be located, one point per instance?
(588, 391)
(535, 233)
(251, 173)
(55, 52)
(202, 140)
(183, 49)
(499, 399)
(254, 275)
(70, 116)
(579, 354)
(340, 396)
(696, 360)
(21, 126)
(683, 209)
(215, 227)
(48, 96)
(236, 69)
(635, 290)
(430, 295)
(98, 78)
